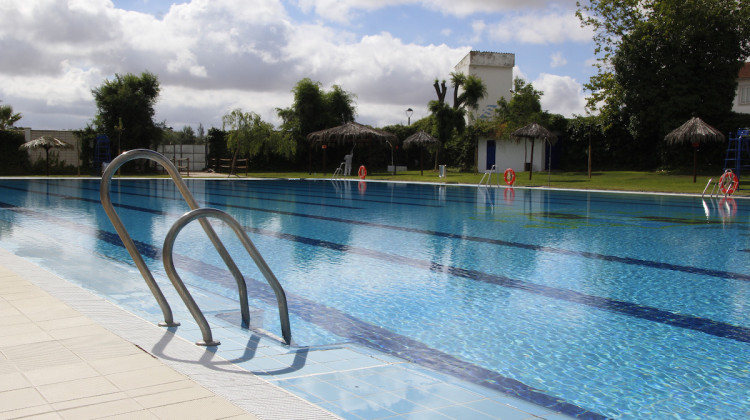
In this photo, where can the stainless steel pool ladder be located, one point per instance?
(339, 172)
(487, 177)
(715, 184)
(195, 213)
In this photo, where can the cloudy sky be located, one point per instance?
(212, 56)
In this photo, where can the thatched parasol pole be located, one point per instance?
(422, 139)
(694, 131)
(46, 142)
(533, 131)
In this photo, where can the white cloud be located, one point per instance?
(469, 7)
(562, 94)
(557, 60)
(215, 55)
(551, 27)
(343, 10)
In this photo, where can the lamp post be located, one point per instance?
(409, 111)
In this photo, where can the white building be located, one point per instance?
(742, 100)
(496, 71)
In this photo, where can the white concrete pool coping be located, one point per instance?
(66, 353)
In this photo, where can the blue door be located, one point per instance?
(490, 154)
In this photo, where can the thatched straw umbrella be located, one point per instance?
(46, 142)
(421, 139)
(534, 131)
(351, 132)
(695, 131)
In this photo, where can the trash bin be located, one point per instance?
(442, 171)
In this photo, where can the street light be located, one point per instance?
(408, 115)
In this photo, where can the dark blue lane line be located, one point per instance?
(170, 198)
(558, 197)
(708, 326)
(497, 242)
(262, 199)
(346, 326)
(355, 195)
(318, 196)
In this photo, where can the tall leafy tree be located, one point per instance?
(660, 61)
(248, 135)
(524, 107)
(313, 109)
(126, 110)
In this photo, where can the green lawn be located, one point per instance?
(609, 180)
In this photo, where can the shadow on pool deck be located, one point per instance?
(57, 362)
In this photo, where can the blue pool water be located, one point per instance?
(594, 304)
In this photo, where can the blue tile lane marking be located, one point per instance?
(498, 242)
(613, 198)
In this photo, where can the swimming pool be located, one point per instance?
(599, 304)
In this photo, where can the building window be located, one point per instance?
(745, 95)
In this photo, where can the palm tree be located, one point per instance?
(7, 117)
(448, 118)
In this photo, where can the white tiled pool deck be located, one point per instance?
(67, 353)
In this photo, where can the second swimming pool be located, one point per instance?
(598, 304)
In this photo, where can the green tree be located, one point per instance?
(216, 140)
(313, 110)
(451, 119)
(8, 117)
(249, 136)
(126, 110)
(13, 161)
(524, 107)
(661, 61)
(87, 137)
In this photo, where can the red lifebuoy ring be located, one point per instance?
(728, 182)
(510, 176)
(362, 172)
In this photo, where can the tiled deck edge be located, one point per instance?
(247, 391)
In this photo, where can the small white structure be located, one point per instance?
(496, 71)
(742, 100)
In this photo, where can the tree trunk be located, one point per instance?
(531, 163)
(589, 158)
(440, 92)
(421, 159)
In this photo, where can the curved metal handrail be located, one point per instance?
(104, 195)
(251, 250)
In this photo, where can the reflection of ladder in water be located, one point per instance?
(738, 150)
(195, 213)
(101, 153)
(487, 177)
